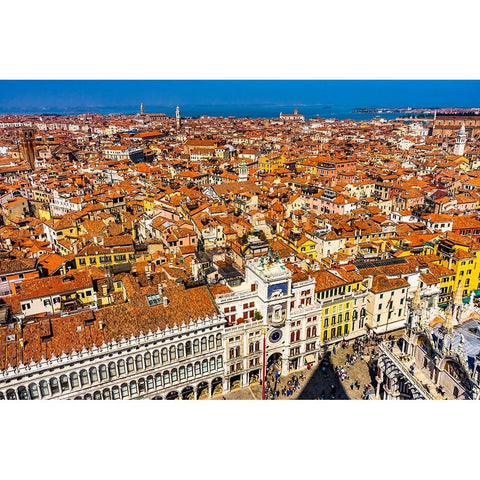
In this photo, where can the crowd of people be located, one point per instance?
(363, 348)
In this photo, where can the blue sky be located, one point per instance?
(54, 95)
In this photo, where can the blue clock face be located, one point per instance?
(275, 336)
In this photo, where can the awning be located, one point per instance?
(310, 358)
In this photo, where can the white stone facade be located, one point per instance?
(181, 362)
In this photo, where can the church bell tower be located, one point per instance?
(460, 141)
(178, 118)
(27, 146)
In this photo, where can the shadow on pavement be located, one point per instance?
(323, 383)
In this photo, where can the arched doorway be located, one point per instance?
(11, 395)
(172, 396)
(235, 382)
(217, 386)
(202, 390)
(254, 376)
(188, 393)
(22, 393)
(275, 360)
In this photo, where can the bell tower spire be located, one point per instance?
(178, 118)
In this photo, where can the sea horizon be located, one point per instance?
(238, 98)
(253, 111)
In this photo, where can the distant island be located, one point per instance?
(423, 111)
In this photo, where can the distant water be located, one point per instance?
(240, 111)
(240, 98)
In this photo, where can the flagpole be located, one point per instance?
(264, 366)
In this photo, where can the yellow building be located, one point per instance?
(270, 163)
(148, 204)
(336, 295)
(44, 213)
(98, 256)
(41, 196)
(460, 256)
(300, 243)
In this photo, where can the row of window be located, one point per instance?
(106, 259)
(336, 332)
(74, 380)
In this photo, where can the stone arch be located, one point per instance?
(217, 386)
(188, 393)
(64, 383)
(204, 365)
(33, 390)
(74, 382)
(112, 370)
(130, 365)
(116, 393)
(88, 396)
(84, 378)
(213, 364)
(103, 372)
(274, 358)
(147, 360)
(54, 386)
(93, 374)
(172, 395)
(11, 394)
(133, 388)
(203, 390)
(235, 382)
(125, 392)
(44, 388)
(164, 355)
(456, 370)
(254, 376)
(424, 342)
(97, 395)
(139, 362)
(121, 369)
(22, 393)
